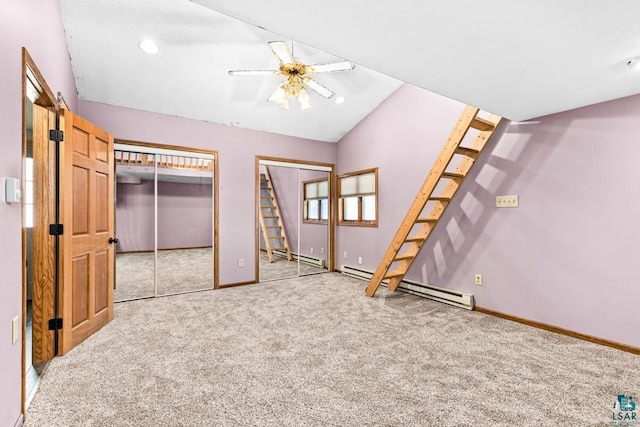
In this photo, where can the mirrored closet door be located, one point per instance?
(294, 219)
(165, 208)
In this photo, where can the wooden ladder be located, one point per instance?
(275, 237)
(440, 176)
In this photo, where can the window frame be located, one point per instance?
(359, 222)
(305, 219)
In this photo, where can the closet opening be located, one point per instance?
(166, 220)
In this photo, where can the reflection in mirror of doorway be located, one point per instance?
(164, 223)
(292, 240)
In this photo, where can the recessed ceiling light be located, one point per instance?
(149, 46)
(340, 100)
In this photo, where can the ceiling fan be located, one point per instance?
(298, 76)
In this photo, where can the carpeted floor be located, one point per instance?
(314, 351)
(282, 268)
(179, 270)
(186, 270)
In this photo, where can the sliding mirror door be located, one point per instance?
(294, 219)
(279, 229)
(165, 221)
(185, 224)
(314, 227)
(135, 213)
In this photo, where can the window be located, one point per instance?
(316, 201)
(358, 197)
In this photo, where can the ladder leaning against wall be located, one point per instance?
(273, 232)
(448, 172)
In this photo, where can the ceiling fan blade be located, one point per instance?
(252, 72)
(317, 87)
(332, 66)
(281, 51)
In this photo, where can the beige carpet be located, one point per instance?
(282, 268)
(315, 351)
(179, 270)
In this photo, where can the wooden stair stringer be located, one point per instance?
(467, 120)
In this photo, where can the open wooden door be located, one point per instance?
(43, 259)
(87, 263)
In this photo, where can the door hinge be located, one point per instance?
(56, 229)
(55, 324)
(56, 135)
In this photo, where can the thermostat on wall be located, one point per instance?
(12, 190)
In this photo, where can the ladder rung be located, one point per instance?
(267, 197)
(273, 226)
(482, 124)
(403, 256)
(440, 198)
(453, 175)
(422, 220)
(392, 274)
(276, 237)
(469, 152)
(269, 216)
(415, 239)
(278, 249)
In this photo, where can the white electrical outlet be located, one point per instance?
(345, 254)
(241, 262)
(322, 250)
(15, 329)
(478, 279)
(506, 201)
(311, 250)
(360, 260)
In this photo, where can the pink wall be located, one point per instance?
(36, 25)
(565, 257)
(185, 216)
(237, 151)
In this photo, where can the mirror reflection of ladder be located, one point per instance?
(445, 178)
(273, 232)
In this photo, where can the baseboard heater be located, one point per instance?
(318, 262)
(447, 296)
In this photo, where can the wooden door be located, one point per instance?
(87, 214)
(43, 256)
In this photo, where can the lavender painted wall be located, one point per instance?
(135, 216)
(36, 25)
(237, 151)
(565, 257)
(185, 216)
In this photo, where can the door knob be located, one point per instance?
(113, 240)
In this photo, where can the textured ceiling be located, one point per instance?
(518, 59)
(188, 77)
(514, 58)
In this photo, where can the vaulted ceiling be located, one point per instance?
(518, 59)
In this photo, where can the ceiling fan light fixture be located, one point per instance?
(340, 100)
(304, 100)
(148, 46)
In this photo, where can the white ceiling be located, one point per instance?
(188, 77)
(518, 59)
